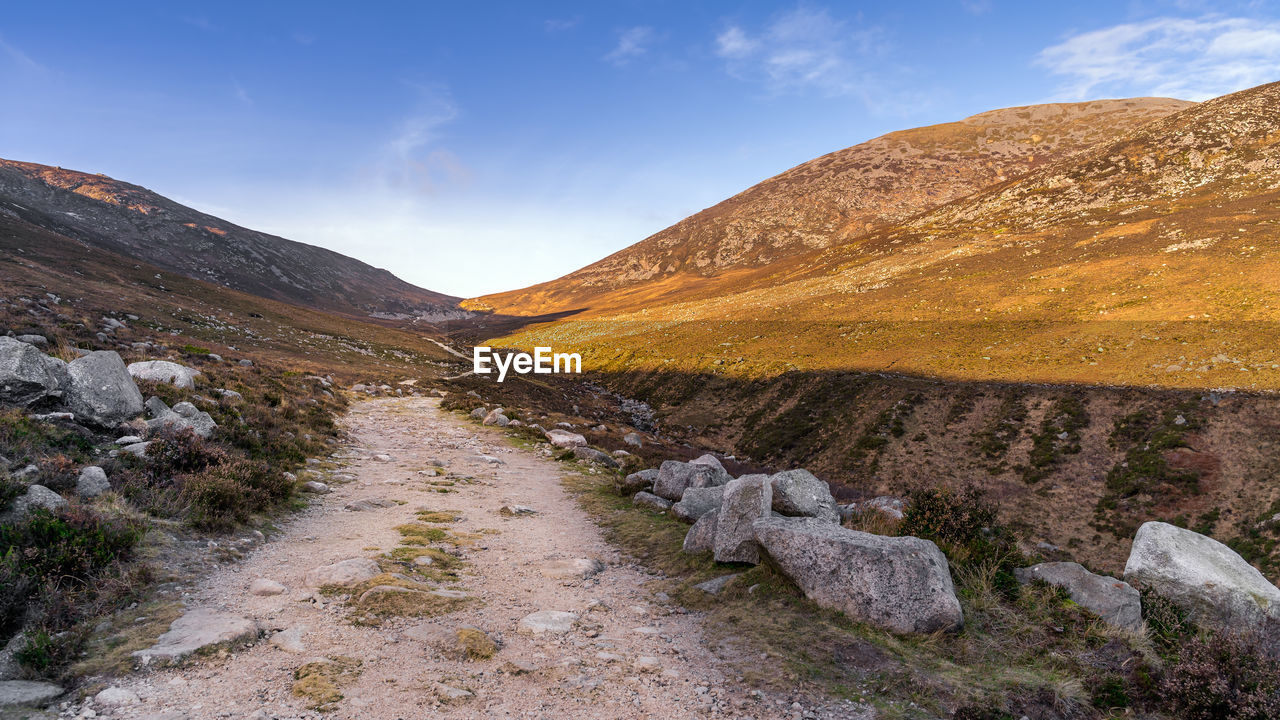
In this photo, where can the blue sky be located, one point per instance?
(477, 147)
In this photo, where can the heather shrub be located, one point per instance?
(964, 525)
(181, 451)
(1223, 678)
(221, 496)
(71, 545)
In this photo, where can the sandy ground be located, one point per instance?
(631, 655)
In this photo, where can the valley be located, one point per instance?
(1014, 373)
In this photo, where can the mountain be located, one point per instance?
(834, 199)
(136, 222)
(1147, 259)
(71, 291)
(1093, 342)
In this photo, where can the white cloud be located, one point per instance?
(241, 94)
(632, 43)
(804, 49)
(411, 159)
(1195, 59)
(734, 43)
(20, 58)
(561, 24)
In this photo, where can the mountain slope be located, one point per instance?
(136, 222)
(70, 291)
(1145, 260)
(836, 197)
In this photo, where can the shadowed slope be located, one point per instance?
(134, 221)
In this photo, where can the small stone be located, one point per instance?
(316, 487)
(647, 664)
(448, 693)
(290, 640)
(116, 696)
(265, 588)
(547, 621)
(715, 585)
(346, 572)
(514, 510)
(575, 569)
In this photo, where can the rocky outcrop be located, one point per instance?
(1210, 581)
(797, 493)
(674, 477)
(900, 584)
(28, 693)
(746, 500)
(165, 372)
(1115, 601)
(343, 573)
(697, 502)
(183, 416)
(195, 631)
(26, 375)
(496, 416)
(101, 392)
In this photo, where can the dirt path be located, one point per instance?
(629, 656)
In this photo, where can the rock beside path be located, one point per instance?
(702, 536)
(674, 477)
(100, 390)
(636, 481)
(26, 375)
(1115, 601)
(565, 440)
(198, 630)
(28, 693)
(1209, 580)
(746, 500)
(900, 584)
(92, 482)
(648, 499)
(697, 502)
(798, 493)
(37, 497)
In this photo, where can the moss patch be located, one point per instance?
(321, 682)
(438, 516)
(475, 644)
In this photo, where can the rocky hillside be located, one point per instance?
(839, 197)
(1146, 260)
(133, 221)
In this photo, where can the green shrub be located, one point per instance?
(9, 489)
(964, 525)
(71, 545)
